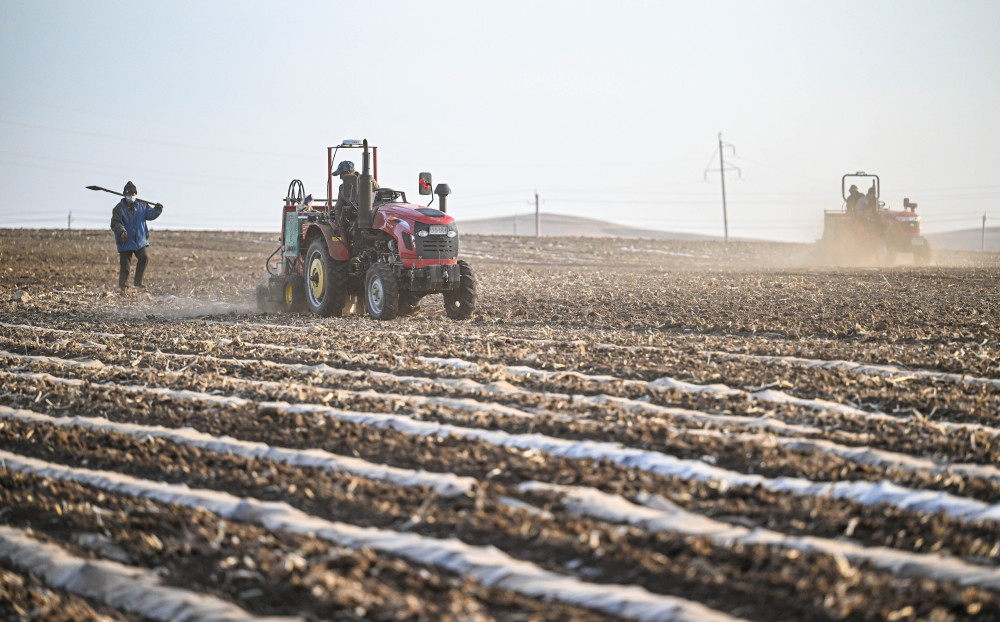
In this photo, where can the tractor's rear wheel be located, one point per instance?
(325, 281)
(381, 292)
(293, 296)
(460, 303)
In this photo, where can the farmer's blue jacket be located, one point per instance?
(131, 218)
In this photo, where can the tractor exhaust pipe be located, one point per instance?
(442, 191)
(365, 216)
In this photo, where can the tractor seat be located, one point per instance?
(386, 195)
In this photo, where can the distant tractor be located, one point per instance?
(864, 230)
(369, 246)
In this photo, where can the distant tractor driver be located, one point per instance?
(853, 197)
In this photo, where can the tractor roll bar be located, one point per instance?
(843, 183)
(331, 154)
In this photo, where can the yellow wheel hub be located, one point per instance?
(317, 278)
(288, 294)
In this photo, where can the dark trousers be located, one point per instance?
(124, 259)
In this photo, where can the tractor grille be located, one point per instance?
(437, 247)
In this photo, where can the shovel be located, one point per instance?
(121, 194)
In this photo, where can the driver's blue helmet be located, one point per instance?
(344, 167)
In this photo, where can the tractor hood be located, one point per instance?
(901, 223)
(424, 236)
(390, 215)
(903, 215)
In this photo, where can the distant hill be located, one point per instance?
(560, 225)
(966, 239)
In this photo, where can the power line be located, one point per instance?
(132, 139)
(103, 169)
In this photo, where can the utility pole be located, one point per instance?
(515, 224)
(722, 173)
(69, 219)
(982, 242)
(538, 218)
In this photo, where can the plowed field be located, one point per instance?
(626, 429)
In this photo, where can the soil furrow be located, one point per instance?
(749, 454)
(909, 435)
(662, 562)
(951, 401)
(23, 597)
(265, 572)
(492, 566)
(821, 516)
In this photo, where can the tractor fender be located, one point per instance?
(334, 242)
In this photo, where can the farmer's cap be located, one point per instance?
(344, 167)
(129, 189)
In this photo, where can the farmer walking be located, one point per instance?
(128, 221)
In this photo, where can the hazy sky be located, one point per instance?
(609, 110)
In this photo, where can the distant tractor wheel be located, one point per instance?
(460, 303)
(326, 280)
(408, 303)
(922, 257)
(884, 256)
(381, 292)
(294, 299)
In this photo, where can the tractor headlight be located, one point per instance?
(422, 233)
(452, 233)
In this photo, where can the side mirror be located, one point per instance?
(351, 187)
(424, 183)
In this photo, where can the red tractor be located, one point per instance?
(366, 243)
(865, 230)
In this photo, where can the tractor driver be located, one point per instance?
(854, 195)
(868, 204)
(344, 169)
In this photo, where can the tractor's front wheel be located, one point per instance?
(381, 292)
(460, 303)
(326, 280)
